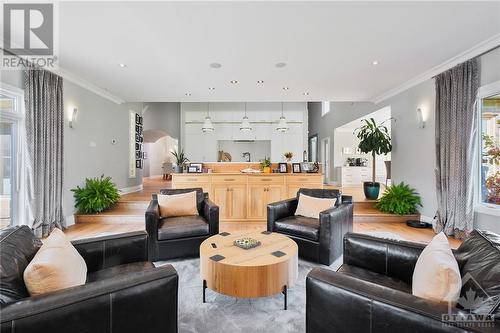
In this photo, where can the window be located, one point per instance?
(490, 151)
(11, 117)
(325, 108)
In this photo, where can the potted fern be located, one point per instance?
(180, 160)
(96, 196)
(375, 140)
(399, 199)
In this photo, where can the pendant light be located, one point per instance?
(207, 124)
(282, 125)
(245, 124)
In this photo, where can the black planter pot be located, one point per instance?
(372, 190)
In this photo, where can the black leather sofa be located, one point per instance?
(371, 291)
(319, 240)
(123, 293)
(180, 237)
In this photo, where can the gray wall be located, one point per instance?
(165, 117)
(99, 121)
(413, 155)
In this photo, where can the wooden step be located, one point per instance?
(372, 215)
(126, 204)
(116, 215)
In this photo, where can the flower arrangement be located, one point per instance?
(288, 155)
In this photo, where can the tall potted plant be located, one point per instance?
(180, 160)
(374, 139)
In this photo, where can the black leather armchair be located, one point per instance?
(178, 237)
(371, 291)
(319, 240)
(123, 293)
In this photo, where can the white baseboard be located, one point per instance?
(130, 189)
(70, 220)
(427, 219)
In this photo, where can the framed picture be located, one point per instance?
(137, 138)
(141, 139)
(198, 166)
(283, 167)
(137, 146)
(138, 154)
(137, 129)
(192, 169)
(137, 119)
(138, 164)
(140, 120)
(296, 168)
(140, 129)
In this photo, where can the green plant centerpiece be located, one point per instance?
(400, 199)
(374, 139)
(180, 160)
(265, 164)
(96, 196)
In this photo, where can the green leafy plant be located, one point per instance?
(97, 195)
(374, 139)
(266, 162)
(180, 157)
(399, 199)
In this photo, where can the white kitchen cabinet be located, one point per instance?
(223, 131)
(354, 176)
(262, 131)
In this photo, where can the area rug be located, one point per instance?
(223, 314)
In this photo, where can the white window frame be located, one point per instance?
(483, 207)
(17, 117)
(325, 108)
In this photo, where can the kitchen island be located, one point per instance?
(244, 197)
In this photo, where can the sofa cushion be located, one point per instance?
(181, 227)
(436, 276)
(182, 204)
(380, 279)
(311, 206)
(200, 195)
(18, 245)
(57, 265)
(479, 262)
(109, 273)
(300, 226)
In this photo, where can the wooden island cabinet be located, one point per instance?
(244, 197)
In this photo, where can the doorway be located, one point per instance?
(325, 159)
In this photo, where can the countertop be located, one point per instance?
(248, 174)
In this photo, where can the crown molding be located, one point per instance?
(67, 75)
(479, 49)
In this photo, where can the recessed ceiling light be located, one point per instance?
(215, 65)
(260, 81)
(305, 93)
(285, 88)
(188, 94)
(374, 62)
(234, 81)
(122, 65)
(211, 88)
(280, 64)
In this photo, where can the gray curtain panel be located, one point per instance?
(456, 132)
(43, 97)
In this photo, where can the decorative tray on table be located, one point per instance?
(246, 243)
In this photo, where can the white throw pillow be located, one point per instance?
(56, 265)
(436, 276)
(311, 207)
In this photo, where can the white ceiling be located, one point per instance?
(328, 46)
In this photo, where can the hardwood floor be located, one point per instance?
(133, 205)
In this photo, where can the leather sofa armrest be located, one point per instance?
(334, 223)
(120, 304)
(152, 218)
(362, 306)
(278, 210)
(393, 258)
(112, 250)
(211, 214)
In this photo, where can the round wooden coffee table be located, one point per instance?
(265, 270)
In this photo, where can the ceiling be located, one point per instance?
(328, 47)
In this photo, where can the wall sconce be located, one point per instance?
(420, 118)
(72, 117)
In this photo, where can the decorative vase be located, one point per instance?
(178, 169)
(288, 159)
(372, 190)
(266, 169)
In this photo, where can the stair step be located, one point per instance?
(366, 214)
(133, 204)
(115, 215)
